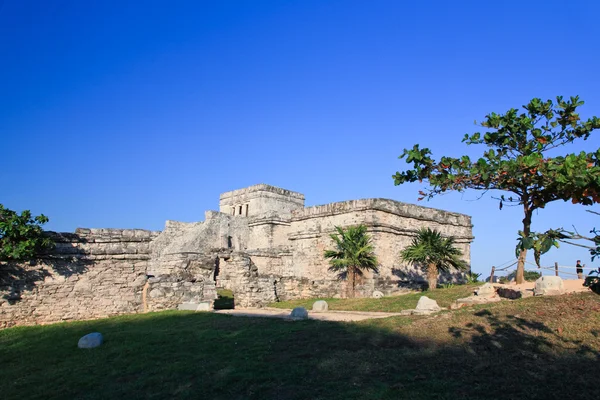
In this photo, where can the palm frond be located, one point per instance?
(354, 251)
(429, 247)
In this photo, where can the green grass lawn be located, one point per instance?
(444, 298)
(535, 348)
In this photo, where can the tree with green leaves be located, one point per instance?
(353, 254)
(520, 162)
(433, 253)
(541, 243)
(21, 235)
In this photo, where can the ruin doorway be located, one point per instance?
(225, 299)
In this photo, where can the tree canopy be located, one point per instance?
(519, 161)
(21, 235)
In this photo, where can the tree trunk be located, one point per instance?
(432, 276)
(519, 278)
(352, 282)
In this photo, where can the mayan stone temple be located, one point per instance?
(263, 244)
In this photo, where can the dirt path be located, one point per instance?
(571, 286)
(322, 316)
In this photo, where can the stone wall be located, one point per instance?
(275, 253)
(90, 274)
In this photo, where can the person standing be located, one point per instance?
(579, 269)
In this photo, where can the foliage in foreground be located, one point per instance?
(21, 235)
(537, 348)
(434, 253)
(353, 254)
(519, 161)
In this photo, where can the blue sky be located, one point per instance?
(129, 113)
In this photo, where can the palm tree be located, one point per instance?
(353, 254)
(433, 252)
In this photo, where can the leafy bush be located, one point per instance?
(472, 277)
(529, 276)
(593, 281)
(21, 236)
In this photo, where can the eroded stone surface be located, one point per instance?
(486, 290)
(549, 285)
(299, 313)
(377, 294)
(427, 304)
(90, 341)
(320, 306)
(203, 306)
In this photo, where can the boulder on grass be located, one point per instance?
(299, 313)
(486, 290)
(320, 306)
(90, 340)
(426, 305)
(549, 285)
(377, 294)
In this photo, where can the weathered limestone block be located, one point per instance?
(513, 294)
(320, 306)
(486, 290)
(90, 340)
(299, 313)
(202, 306)
(471, 300)
(425, 305)
(549, 285)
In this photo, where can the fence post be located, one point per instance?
(492, 274)
(556, 268)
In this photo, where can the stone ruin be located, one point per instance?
(263, 244)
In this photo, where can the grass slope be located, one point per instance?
(444, 298)
(536, 348)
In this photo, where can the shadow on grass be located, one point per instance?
(209, 356)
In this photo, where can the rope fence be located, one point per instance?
(563, 270)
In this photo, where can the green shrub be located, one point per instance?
(593, 281)
(472, 277)
(529, 276)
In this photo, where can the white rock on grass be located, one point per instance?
(202, 306)
(549, 285)
(427, 304)
(486, 290)
(320, 306)
(90, 340)
(377, 294)
(299, 313)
